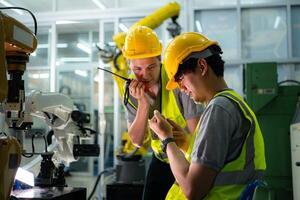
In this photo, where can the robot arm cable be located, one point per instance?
(3, 133)
(29, 155)
(32, 15)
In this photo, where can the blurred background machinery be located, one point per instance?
(274, 104)
(17, 42)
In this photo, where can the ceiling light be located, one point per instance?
(66, 22)
(82, 73)
(277, 21)
(198, 26)
(59, 45)
(44, 75)
(39, 75)
(62, 45)
(84, 47)
(75, 59)
(11, 5)
(96, 78)
(99, 4)
(123, 27)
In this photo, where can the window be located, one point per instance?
(220, 25)
(295, 17)
(233, 75)
(40, 57)
(264, 33)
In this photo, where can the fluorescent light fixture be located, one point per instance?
(82, 73)
(62, 45)
(99, 4)
(277, 21)
(66, 22)
(34, 76)
(84, 47)
(5, 3)
(39, 75)
(123, 27)
(96, 78)
(198, 26)
(75, 59)
(44, 75)
(59, 45)
(42, 46)
(111, 43)
(25, 176)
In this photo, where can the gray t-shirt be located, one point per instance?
(221, 134)
(186, 105)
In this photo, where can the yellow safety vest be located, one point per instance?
(236, 174)
(169, 109)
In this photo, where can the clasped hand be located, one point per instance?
(165, 128)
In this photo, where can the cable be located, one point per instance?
(126, 94)
(115, 60)
(97, 181)
(46, 150)
(13, 198)
(3, 133)
(289, 81)
(32, 15)
(29, 155)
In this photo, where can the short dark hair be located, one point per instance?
(215, 61)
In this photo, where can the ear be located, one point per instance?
(203, 67)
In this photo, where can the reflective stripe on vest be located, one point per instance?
(235, 172)
(169, 109)
(248, 166)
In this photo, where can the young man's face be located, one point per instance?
(191, 83)
(146, 70)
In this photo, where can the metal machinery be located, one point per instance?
(16, 44)
(274, 105)
(295, 149)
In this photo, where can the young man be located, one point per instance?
(147, 93)
(228, 151)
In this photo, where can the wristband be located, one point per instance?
(165, 142)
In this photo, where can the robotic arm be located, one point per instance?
(16, 43)
(114, 55)
(58, 112)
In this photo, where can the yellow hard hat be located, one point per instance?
(141, 42)
(181, 47)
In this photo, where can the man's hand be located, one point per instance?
(137, 90)
(160, 126)
(181, 137)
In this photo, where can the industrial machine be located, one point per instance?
(295, 150)
(57, 110)
(274, 105)
(16, 44)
